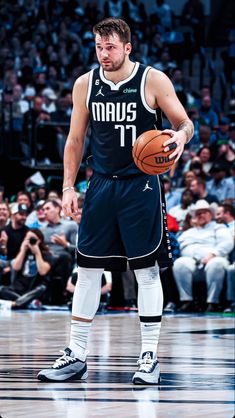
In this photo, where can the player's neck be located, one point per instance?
(121, 74)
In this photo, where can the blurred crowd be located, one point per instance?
(38, 246)
(45, 46)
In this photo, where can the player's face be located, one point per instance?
(111, 52)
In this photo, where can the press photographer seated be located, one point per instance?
(30, 271)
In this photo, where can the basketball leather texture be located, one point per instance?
(148, 153)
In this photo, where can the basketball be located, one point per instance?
(148, 152)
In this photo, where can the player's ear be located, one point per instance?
(128, 48)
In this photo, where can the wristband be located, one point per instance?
(67, 188)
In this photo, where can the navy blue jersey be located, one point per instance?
(119, 113)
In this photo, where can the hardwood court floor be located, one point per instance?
(196, 356)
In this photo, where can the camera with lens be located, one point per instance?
(32, 240)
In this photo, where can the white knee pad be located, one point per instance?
(86, 296)
(150, 295)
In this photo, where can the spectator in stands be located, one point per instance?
(60, 235)
(228, 55)
(33, 195)
(155, 47)
(163, 13)
(193, 15)
(11, 114)
(11, 123)
(172, 224)
(220, 185)
(12, 236)
(193, 114)
(113, 8)
(169, 287)
(204, 154)
(206, 245)
(82, 185)
(180, 211)
(198, 188)
(165, 63)
(41, 192)
(24, 198)
(189, 222)
(31, 267)
(62, 117)
(231, 140)
(134, 14)
(196, 167)
(16, 229)
(36, 219)
(40, 79)
(4, 220)
(29, 94)
(188, 177)
(173, 197)
(2, 191)
(4, 215)
(43, 138)
(226, 214)
(50, 97)
(225, 154)
(230, 290)
(206, 136)
(206, 91)
(206, 114)
(54, 195)
(222, 133)
(18, 98)
(182, 88)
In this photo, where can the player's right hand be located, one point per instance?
(70, 204)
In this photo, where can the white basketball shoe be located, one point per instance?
(148, 372)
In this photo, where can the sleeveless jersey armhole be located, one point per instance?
(89, 88)
(142, 93)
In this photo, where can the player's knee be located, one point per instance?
(148, 277)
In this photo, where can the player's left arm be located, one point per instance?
(166, 98)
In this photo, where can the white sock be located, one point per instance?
(79, 337)
(150, 304)
(150, 333)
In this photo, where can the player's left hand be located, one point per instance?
(176, 143)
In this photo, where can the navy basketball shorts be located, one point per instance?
(123, 221)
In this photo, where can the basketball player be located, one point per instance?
(124, 218)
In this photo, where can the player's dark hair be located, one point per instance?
(112, 25)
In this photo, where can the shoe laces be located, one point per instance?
(63, 360)
(146, 363)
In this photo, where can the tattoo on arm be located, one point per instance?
(188, 128)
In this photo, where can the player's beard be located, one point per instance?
(113, 66)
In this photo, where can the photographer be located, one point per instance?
(31, 267)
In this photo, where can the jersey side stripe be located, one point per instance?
(89, 88)
(142, 95)
(102, 256)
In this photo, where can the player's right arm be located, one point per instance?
(74, 145)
